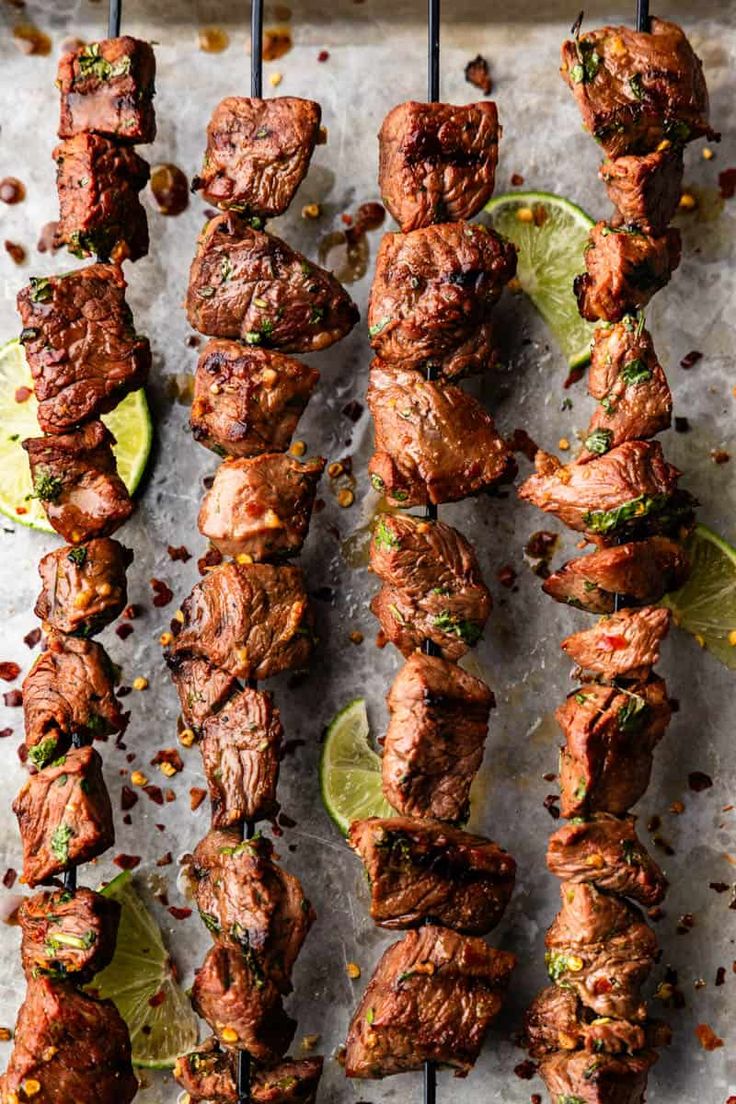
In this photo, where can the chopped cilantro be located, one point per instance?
(635, 372)
(383, 538)
(78, 555)
(47, 487)
(379, 327)
(60, 839)
(41, 289)
(599, 441)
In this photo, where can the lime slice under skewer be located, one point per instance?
(141, 982)
(350, 770)
(129, 422)
(706, 605)
(550, 235)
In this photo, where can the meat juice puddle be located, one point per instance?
(346, 260)
(170, 188)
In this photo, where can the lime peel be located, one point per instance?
(705, 606)
(350, 770)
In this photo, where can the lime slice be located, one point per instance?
(350, 770)
(141, 982)
(130, 422)
(550, 234)
(706, 605)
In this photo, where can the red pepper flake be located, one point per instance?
(9, 877)
(726, 183)
(526, 1070)
(13, 191)
(157, 998)
(13, 699)
(15, 251)
(574, 376)
(171, 757)
(719, 887)
(535, 1098)
(154, 793)
(32, 638)
(22, 394)
(520, 441)
(127, 862)
(131, 612)
(720, 975)
(163, 594)
(506, 576)
(323, 55)
(47, 238)
(611, 642)
(211, 558)
(698, 781)
(707, 1037)
(682, 425)
(346, 219)
(541, 545)
(5, 732)
(169, 796)
(720, 456)
(128, 798)
(196, 797)
(686, 923)
(691, 359)
(9, 671)
(353, 410)
(127, 818)
(478, 74)
(180, 913)
(550, 804)
(165, 860)
(602, 985)
(517, 180)
(179, 553)
(124, 631)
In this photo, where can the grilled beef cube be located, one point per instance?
(249, 903)
(431, 998)
(434, 443)
(261, 506)
(68, 935)
(202, 688)
(636, 88)
(258, 153)
(623, 643)
(100, 214)
(624, 268)
(645, 190)
(432, 296)
(64, 816)
(601, 948)
(108, 88)
(241, 747)
(82, 348)
(606, 851)
(633, 574)
(234, 997)
(83, 588)
(437, 161)
(69, 690)
(624, 495)
(421, 871)
(556, 1020)
(75, 478)
(252, 620)
(247, 284)
(587, 1078)
(73, 1047)
(208, 1075)
(433, 588)
(434, 743)
(248, 401)
(610, 735)
(627, 380)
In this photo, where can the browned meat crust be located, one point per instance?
(208, 1075)
(107, 88)
(68, 935)
(624, 643)
(624, 268)
(83, 588)
(645, 190)
(202, 688)
(632, 574)
(606, 851)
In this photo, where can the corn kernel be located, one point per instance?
(525, 214)
(138, 778)
(229, 1035)
(352, 970)
(5, 1034)
(663, 145)
(311, 211)
(186, 737)
(31, 1086)
(574, 963)
(167, 769)
(567, 1042)
(700, 640)
(12, 1098)
(345, 498)
(82, 599)
(104, 590)
(688, 202)
(215, 389)
(563, 444)
(271, 520)
(732, 638)
(76, 537)
(244, 558)
(707, 153)
(334, 469)
(594, 860)
(275, 79)
(298, 448)
(165, 639)
(309, 1042)
(269, 377)
(179, 616)
(140, 683)
(356, 637)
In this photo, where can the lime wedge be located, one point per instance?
(350, 770)
(130, 422)
(550, 234)
(141, 982)
(706, 605)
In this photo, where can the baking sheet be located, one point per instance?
(377, 58)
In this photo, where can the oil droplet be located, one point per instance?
(276, 42)
(30, 40)
(170, 189)
(9, 906)
(346, 259)
(180, 388)
(12, 190)
(355, 549)
(47, 238)
(213, 40)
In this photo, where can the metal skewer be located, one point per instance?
(115, 15)
(642, 15)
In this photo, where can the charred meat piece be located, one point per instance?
(624, 495)
(82, 348)
(208, 1075)
(556, 1020)
(433, 588)
(261, 506)
(606, 851)
(624, 643)
(234, 997)
(241, 747)
(248, 401)
(645, 190)
(64, 816)
(202, 688)
(636, 88)
(108, 88)
(252, 620)
(258, 153)
(627, 380)
(421, 871)
(100, 214)
(74, 1047)
(432, 296)
(434, 443)
(434, 743)
(249, 903)
(247, 284)
(633, 574)
(431, 998)
(68, 935)
(624, 268)
(600, 947)
(597, 1078)
(75, 478)
(437, 161)
(69, 690)
(610, 735)
(83, 588)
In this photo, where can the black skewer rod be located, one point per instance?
(70, 875)
(114, 18)
(256, 48)
(642, 15)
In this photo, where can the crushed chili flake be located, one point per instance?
(478, 74)
(682, 425)
(323, 55)
(719, 887)
(699, 781)
(9, 671)
(179, 553)
(157, 998)
(535, 1098)
(123, 691)
(654, 823)
(727, 183)
(165, 860)
(520, 441)
(163, 594)
(124, 631)
(32, 638)
(128, 798)
(720, 456)
(22, 394)
(663, 845)
(127, 862)
(196, 797)
(127, 819)
(574, 376)
(286, 821)
(170, 757)
(9, 877)
(154, 793)
(541, 545)
(13, 699)
(5, 732)
(525, 1070)
(131, 611)
(47, 238)
(691, 359)
(211, 558)
(517, 180)
(720, 975)
(180, 913)
(15, 251)
(353, 410)
(707, 1037)
(550, 804)
(686, 923)
(506, 576)
(169, 796)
